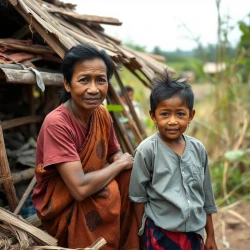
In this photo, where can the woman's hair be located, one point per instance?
(166, 87)
(78, 53)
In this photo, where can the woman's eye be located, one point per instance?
(101, 79)
(84, 79)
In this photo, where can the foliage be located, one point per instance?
(244, 48)
(136, 46)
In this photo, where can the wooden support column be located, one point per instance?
(131, 108)
(5, 174)
(31, 99)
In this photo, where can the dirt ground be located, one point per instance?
(232, 228)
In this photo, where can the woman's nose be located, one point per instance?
(92, 88)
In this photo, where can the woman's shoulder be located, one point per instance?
(57, 116)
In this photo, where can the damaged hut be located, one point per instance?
(33, 39)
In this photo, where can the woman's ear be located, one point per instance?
(66, 85)
(152, 116)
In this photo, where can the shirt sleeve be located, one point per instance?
(209, 206)
(140, 178)
(58, 145)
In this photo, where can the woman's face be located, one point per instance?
(89, 84)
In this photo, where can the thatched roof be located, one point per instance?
(34, 36)
(61, 28)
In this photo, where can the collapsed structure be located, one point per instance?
(34, 36)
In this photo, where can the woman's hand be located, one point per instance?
(126, 158)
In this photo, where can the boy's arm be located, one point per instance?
(210, 240)
(139, 211)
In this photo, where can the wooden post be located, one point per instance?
(131, 107)
(5, 174)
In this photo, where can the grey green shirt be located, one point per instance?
(176, 190)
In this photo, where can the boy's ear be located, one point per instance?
(152, 116)
(66, 85)
(191, 115)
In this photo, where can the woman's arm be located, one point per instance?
(210, 240)
(83, 185)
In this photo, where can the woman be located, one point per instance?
(82, 175)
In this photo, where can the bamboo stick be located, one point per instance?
(5, 174)
(131, 123)
(122, 136)
(25, 195)
(34, 220)
(131, 108)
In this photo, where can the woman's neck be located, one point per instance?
(82, 116)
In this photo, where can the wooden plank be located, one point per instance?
(20, 176)
(50, 39)
(88, 18)
(5, 174)
(19, 67)
(21, 121)
(29, 77)
(14, 45)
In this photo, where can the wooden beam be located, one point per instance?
(18, 177)
(29, 77)
(20, 121)
(5, 174)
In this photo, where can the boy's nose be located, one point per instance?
(172, 120)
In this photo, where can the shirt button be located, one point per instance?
(188, 201)
(182, 172)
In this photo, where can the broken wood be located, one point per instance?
(21, 121)
(21, 176)
(28, 77)
(34, 220)
(25, 195)
(142, 132)
(5, 174)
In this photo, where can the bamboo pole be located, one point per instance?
(5, 174)
(131, 108)
(131, 123)
(121, 134)
(25, 195)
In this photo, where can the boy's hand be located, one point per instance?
(210, 244)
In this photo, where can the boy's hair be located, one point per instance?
(166, 87)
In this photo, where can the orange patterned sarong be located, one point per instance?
(108, 213)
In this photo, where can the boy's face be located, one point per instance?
(172, 117)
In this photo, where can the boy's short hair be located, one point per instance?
(166, 87)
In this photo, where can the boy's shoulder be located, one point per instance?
(148, 143)
(194, 142)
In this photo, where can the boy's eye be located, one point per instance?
(164, 114)
(181, 114)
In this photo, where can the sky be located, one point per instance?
(168, 24)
